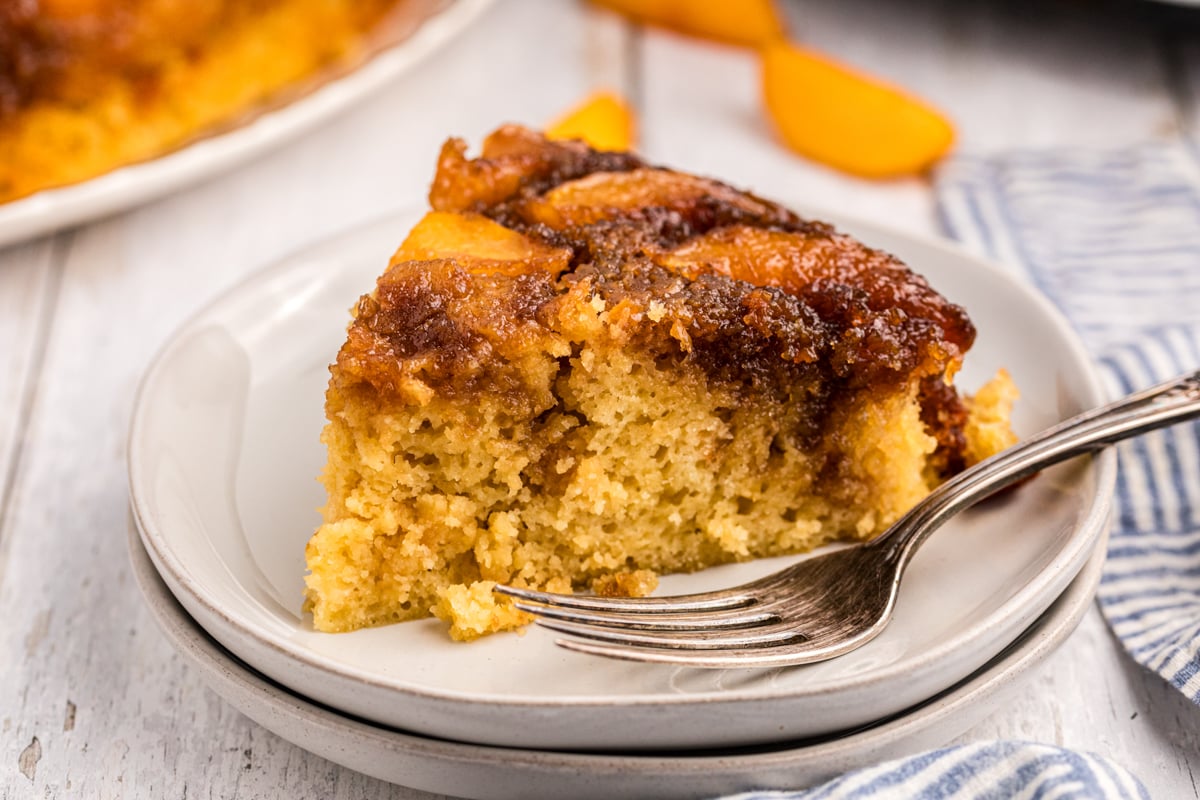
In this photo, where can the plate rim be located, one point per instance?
(1034, 645)
(130, 185)
(177, 578)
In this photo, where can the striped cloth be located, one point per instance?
(985, 771)
(1114, 240)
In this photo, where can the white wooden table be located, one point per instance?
(93, 703)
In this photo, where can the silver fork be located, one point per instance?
(830, 604)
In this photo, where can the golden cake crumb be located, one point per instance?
(989, 410)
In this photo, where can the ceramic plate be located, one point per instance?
(223, 453)
(497, 772)
(128, 186)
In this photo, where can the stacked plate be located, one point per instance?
(223, 454)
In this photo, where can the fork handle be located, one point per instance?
(1168, 403)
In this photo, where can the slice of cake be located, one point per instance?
(580, 371)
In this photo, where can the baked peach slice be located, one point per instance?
(608, 195)
(479, 245)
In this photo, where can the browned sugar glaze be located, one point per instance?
(694, 272)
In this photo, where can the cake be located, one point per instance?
(580, 371)
(90, 85)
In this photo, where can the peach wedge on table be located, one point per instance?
(850, 121)
(748, 23)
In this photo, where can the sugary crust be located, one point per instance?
(687, 269)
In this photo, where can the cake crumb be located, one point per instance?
(989, 410)
(475, 610)
(636, 583)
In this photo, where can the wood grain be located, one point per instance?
(1091, 697)
(29, 279)
(93, 703)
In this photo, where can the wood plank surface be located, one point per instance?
(93, 702)
(29, 279)
(1091, 697)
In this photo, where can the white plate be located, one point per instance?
(137, 183)
(496, 772)
(223, 453)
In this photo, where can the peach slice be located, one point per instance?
(606, 195)
(750, 23)
(789, 261)
(479, 245)
(603, 122)
(848, 120)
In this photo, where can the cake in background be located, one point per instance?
(90, 85)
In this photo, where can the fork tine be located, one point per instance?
(708, 601)
(745, 617)
(766, 636)
(741, 657)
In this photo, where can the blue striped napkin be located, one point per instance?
(1114, 240)
(985, 771)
